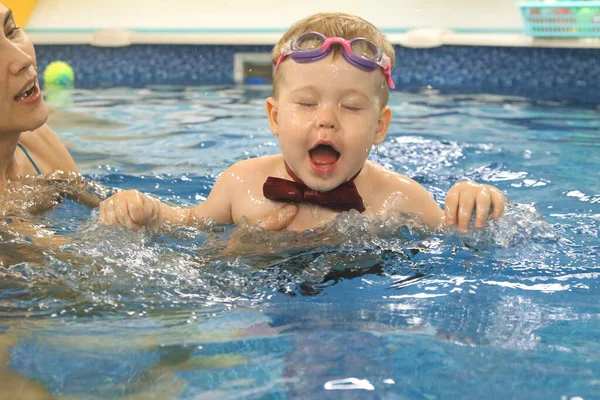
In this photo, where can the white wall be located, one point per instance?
(269, 14)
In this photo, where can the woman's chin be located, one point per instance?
(36, 119)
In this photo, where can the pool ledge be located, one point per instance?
(415, 38)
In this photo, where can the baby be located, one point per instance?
(329, 107)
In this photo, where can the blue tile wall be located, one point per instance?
(142, 65)
(546, 73)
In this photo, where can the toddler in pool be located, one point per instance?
(329, 108)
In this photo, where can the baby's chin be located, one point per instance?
(324, 185)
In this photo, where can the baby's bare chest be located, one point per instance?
(249, 203)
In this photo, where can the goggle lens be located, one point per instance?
(309, 41)
(365, 48)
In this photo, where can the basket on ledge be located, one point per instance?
(561, 18)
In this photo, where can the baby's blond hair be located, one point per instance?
(342, 25)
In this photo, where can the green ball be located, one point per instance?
(59, 75)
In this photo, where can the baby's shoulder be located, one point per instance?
(388, 183)
(394, 192)
(254, 165)
(387, 179)
(257, 168)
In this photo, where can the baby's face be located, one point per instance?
(327, 116)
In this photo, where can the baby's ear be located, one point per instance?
(385, 117)
(271, 109)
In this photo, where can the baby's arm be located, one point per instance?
(415, 201)
(133, 210)
(235, 181)
(462, 200)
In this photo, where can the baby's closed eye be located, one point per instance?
(306, 104)
(352, 107)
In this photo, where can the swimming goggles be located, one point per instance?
(360, 52)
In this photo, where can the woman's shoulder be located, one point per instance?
(48, 150)
(43, 137)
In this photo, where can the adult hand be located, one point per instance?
(279, 219)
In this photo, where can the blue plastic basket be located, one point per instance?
(561, 18)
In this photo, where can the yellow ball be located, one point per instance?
(59, 75)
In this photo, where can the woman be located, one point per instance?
(27, 145)
(33, 161)
(28, 149)
(36, 169)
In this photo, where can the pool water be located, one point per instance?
(350, 310)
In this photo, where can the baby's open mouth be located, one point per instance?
(323, 155)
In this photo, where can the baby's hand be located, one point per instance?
(463, 197)
(131, 209)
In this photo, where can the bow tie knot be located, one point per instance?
(343, 198)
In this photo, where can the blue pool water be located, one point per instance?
(352, 310)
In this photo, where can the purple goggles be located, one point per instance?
(360, 52)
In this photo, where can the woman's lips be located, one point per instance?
(30, 95)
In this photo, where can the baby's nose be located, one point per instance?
(326, 124)
(327, 119)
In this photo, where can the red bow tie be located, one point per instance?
(343, 198)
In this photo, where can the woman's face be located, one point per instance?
(22, 107)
